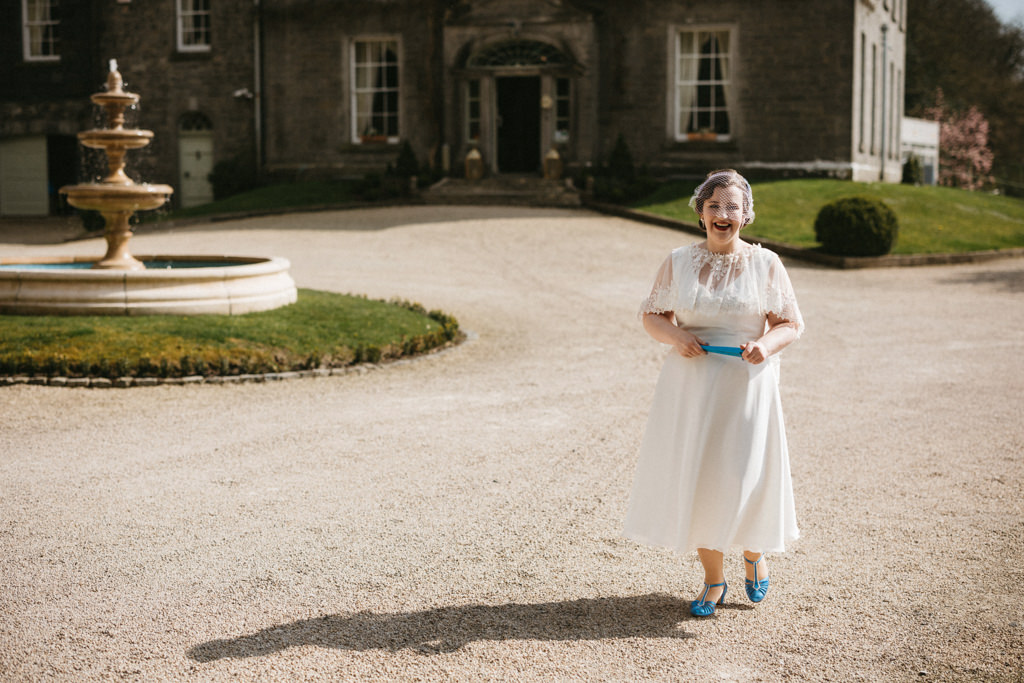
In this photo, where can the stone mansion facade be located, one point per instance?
(328, 87)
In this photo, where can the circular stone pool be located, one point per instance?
(170, 285)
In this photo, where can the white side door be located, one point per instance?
(23, 177)
(196, 150)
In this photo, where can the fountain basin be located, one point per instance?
(126, 139)
(113, 198)
(172, 285)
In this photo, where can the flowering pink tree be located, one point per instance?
(965, 159)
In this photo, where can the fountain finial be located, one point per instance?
(114, 81)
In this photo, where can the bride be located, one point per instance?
(713, 469)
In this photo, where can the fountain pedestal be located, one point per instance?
(116, 197)
(117, 234)
(117, 203)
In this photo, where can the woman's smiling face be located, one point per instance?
(723, 218)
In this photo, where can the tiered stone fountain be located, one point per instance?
(119, 283)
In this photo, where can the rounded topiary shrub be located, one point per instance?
(913, 174)
(856, 226)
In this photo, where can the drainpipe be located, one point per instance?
(885, 115)
(257, 78)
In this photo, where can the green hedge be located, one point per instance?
(856, 226)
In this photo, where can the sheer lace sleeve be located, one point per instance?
(780, 298)
(662, 298)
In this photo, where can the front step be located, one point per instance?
(517, 190)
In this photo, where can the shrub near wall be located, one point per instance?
(856, 226)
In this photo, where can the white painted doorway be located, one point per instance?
(195, 154)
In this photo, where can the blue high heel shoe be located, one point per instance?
(756, 589)
(705, 608)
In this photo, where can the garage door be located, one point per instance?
(23, 190)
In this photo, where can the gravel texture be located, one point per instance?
(458, 517)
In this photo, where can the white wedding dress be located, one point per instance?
(713, 470)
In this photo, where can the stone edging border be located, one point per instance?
(127, 382)
(842, 262)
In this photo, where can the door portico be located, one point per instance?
(516, 104)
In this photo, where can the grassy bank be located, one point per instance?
(932, 219)
(321, 329)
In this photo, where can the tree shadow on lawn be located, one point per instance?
(446, 629)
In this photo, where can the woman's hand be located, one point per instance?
(662, 327)
(688, 344)
(754, 352)
(780, 334)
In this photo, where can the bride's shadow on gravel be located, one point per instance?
(447, 629)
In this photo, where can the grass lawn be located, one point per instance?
(321, 329)
(932, 219)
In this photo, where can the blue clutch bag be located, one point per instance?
(724, 350)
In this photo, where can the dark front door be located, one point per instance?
(519, 124)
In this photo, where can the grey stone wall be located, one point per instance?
(142, 36)
(307, 74)
(791, 77)
(50, 97)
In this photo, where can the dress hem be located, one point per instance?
(690, 548)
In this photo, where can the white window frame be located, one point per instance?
(356, 90)
(185, 10)
(31, 26)
(563, 111)
(681, 80)
(474, 120)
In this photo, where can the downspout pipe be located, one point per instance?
(257, 78)
(885, 114)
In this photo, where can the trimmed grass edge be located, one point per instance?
(47, 371)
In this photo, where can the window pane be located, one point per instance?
(40, 35)
(688, 69)
(723, 67)
(362, 77)
(390, 76)
(364, 102)
(702, 78)
(376, 78)
(686, 43)
(723, 41)
(194, 24)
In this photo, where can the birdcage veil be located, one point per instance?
(724, 178)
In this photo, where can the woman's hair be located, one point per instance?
(725, 177)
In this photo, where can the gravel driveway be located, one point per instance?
(457, 517)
